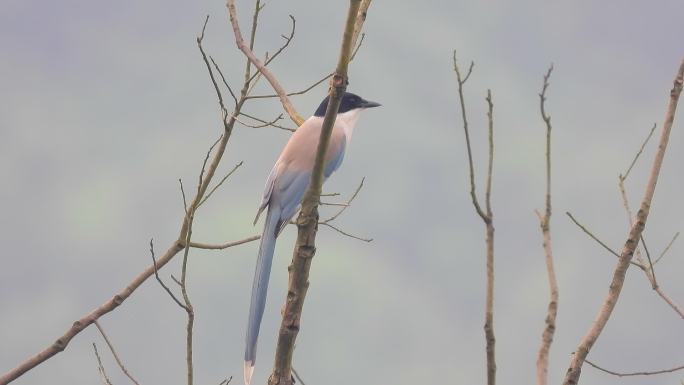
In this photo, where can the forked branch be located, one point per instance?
(580, 355)
(487, 216)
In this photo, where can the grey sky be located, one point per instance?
(104, 105)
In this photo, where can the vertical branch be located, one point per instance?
(487, 217)
(307, 221)
(575, 367)
(189, 310)
(544, 221)
(358, 24)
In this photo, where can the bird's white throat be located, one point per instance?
(348, 120)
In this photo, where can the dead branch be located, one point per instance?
(575, 367)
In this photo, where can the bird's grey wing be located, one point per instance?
(288, 191)
(335, 155)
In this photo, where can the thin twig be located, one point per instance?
(629, 374)
(461, 82)
(299, 379)
(239, 41)
(595, 238)
(185, 202)
(116, 356)
(220, 183)
(223, 246)
(288, 39)
(268, 123)
(223, 79)
(264, 124)
(100, 367)
(667, 248)
(358, 45)
(204, 166)
(648, 272)
(307, 89)
(654, 282)
(156, 275)
(346, 204)
(641, 149)
(346, 233)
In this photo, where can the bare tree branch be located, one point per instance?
(220, 183)
(79, 325)
(344, 205)
(487, 217)
(367, 240)
(575, 367)
(267, 123)
(239, 40)
(667, 248)
(163, 285)
(595, 238)
(649, 271)
(545, 224)
(309, 88)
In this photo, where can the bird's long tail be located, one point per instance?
(259, 289)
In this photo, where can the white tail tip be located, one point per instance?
(248, 371)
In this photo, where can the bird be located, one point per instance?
(285, 188)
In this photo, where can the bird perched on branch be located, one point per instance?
(285, 188)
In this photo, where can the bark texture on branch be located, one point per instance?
(545, 224)
(307, 222)
(580, 355)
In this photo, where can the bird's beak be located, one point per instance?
(369, 104)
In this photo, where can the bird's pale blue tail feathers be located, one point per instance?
(259, 288)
